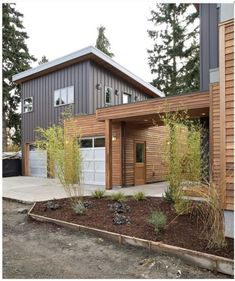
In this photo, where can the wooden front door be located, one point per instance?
(139, 154)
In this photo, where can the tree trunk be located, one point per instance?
(4, 133)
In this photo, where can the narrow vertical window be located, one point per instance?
(108, 95)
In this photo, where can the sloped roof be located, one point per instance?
(81, 55)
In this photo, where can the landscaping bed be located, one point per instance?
(183, 231)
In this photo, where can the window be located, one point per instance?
(92, 142)
(139, 153)
(28, 105)
(126, 98)
(85, 143)
(108, 95)
(99, 142)
(64, 96)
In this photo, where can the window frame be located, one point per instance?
(93, 142)
(26, 106)
(129, 97)
(111, 95)
(67, 92)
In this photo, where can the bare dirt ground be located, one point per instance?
(40, 250)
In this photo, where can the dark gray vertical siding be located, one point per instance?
(104, 77)
(42, 90)
(209, 54)
(84, 77)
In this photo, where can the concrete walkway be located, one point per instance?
(33, 189)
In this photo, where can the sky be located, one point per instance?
(56, 29)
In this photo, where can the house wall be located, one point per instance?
(228, 29)
(154, 138)
(102, 76)
(209, 55)
(84, 76)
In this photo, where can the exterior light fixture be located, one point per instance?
(203, 113)
(98, 86)
(116, 92)
(136, 98)
(114, 137)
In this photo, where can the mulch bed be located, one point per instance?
(183, 232)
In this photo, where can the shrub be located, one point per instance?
(158, 220)
(79, 207)
(139, 196)
(168, 195)
(98, 193)
(118, 196)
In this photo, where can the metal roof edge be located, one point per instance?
(82, 52)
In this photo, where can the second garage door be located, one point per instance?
(37, 162)
(93, 160)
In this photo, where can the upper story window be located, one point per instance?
(108, 95)
(28, 105)
(64, 96)
(126, 98)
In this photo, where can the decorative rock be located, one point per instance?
(87, 204)
(119, 207)
(120, 219)
(51, 205)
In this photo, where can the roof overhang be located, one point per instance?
(196, 104)
(89, 53)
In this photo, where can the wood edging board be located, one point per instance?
(203, 260)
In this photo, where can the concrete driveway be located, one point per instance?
(33, 189)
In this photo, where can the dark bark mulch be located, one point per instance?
(184, 231)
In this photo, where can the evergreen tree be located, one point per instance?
(174, 58)
(102, 43)
(15, 58)
(43, 60)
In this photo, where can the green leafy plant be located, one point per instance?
(98, 193)
(64, 159)
(182, 156)
(158, 220)
(118, 196)
(168, 195)
(139, 196)
(79, 207)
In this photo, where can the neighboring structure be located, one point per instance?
(120, 145)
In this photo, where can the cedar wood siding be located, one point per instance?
(88, 126)
(229, 113)
(84, 76)
(222, 117)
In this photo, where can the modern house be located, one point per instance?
(114, 111)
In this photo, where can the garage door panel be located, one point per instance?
(38, 163)
(99, 166)
(93, 165)
(99, 154)
(100, 178)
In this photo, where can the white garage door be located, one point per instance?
(37, 162)
(93, 160)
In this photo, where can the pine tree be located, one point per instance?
(43, 60)
(174, 58)
(15, 59)
(102, 43)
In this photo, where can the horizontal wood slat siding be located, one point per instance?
(152, 106)
(214, 131)
(229, 113)
(154, 137)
